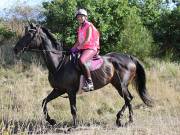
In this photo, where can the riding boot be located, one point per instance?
(88, 86)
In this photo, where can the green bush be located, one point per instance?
(135, 38)
(6, 33)
(167, 35)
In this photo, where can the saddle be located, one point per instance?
(93, 64)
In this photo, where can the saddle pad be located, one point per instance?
(95, 63)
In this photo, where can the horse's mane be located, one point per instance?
(57, 44)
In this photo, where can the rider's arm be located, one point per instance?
(76, 44)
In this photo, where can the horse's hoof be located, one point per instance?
(118, 123)
(71, 129)
(52, 122)
(128, 123)
(74, 126)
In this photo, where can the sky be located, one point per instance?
(9, 3)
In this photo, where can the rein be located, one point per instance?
(55, 52)
(37, 50)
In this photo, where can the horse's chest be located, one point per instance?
(61, 80)
(55, 81)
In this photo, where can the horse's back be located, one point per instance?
(119, 56)
(123, 59)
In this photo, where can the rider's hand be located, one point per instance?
(74, 50)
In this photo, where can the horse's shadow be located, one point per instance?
(34, 127)
(42, 127)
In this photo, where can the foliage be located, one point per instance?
(6, 33)
(135, 38)
(168, 32)
(60, 18)
(116, 20)
(149, 11)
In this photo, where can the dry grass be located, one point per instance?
(23, 87)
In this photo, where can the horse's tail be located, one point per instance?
(140, 83)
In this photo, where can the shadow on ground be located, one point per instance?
(42, 127)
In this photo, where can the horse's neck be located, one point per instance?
(52, 56)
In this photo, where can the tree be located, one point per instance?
(168, 32)
(149, 11)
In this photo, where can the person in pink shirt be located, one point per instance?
(87, 43)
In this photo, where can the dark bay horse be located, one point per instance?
(118, 69)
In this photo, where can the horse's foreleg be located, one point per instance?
(127, 97)
(117, 84)
(72, 100)
(54, 94)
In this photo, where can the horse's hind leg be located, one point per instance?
(123, 91)
(54, 94)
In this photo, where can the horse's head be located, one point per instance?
(32, 39)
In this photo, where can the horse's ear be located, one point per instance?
(32, 26)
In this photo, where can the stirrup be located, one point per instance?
(88, 87)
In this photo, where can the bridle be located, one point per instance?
(55, 52)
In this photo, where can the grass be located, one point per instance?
(23, 85)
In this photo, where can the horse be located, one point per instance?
(118, 69)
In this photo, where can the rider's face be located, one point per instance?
(81, 18)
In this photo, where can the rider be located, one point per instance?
(88, 44)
